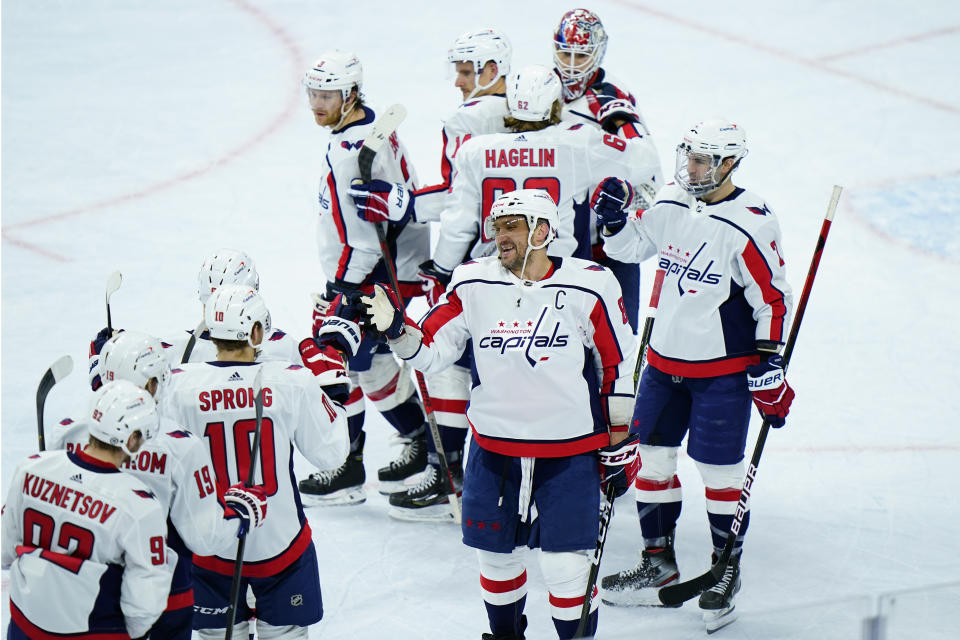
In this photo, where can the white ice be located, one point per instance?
(140, 135)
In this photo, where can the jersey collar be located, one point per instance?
(81, 459)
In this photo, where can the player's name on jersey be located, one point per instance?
(523, 157)
(66, 498)
(223, 399)
(147, 461)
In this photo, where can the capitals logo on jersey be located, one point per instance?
(534, 337)
(674, 260)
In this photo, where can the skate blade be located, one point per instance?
(716, 620)
(433, 513)
(389, 487)
(342, 498)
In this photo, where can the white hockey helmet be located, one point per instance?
(335, 70)
(233, 310)
(531, 92)
(580, 32)
(135, 357)
(533, 204)
(480, 47)
(118, 409)
(226, 266)
(713, 141)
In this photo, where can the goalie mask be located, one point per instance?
(120, 408)
(531, 92)
(135, 357)
(233, 310)
(479, 48)
(702, 152)
(579, 43)
(226, 266)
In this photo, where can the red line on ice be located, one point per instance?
(295, 57)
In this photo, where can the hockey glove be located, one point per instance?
(609, 201)
(434, 281)
(620, 465)
(381, 201)
(611, 107)
(383, 312)
(93, 363)
(250, 503)
(327, 364)
(772, 394)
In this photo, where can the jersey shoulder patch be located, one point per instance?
(594, 267)
(760, 211)
(574, 127)
(145, 494)
(294, 367)
(277, 335)
(179, 433)
(66, 421)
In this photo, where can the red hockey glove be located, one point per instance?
(771, 392)
(326, 363)
(434, 281)
(620, 464)
(250, 503)
(380, 201)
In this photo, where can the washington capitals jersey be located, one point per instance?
(215, 400)
(564, 161)
(548, 356)
(475, 117)
(348, 245)
(277, 345)
(85, 547)
(176, 467)
(725, 287)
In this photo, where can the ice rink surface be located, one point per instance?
(140, 135)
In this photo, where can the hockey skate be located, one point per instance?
(412, 460)
(639, 586)
(342, 486)
(428, 501)
(717, 603)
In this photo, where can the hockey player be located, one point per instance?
(721, 321)
(537, 324)
(85, 544)
(351, 260)
(223, 266)
(481, 62)
(216, 400)
(591, 96)
(176, 468)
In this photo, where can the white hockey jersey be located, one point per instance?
(579, 111)
(85, 545)
(176, 467)
(348, 245)
(277, 345)
(549, 358)
(215, 400)
(564, 161)
(725, 287)
(475, 117)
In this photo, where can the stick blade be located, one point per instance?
(61, 368)
(385, 125)
(113, 283)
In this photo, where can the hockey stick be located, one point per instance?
(241, 545)
(382, 129)
(113, 283)
(192, 341)
(57, 372)
(607, 512)
(648, 326)
(677, 594)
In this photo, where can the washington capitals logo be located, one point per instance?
(760, 211)
(346, 144)
(528, 335)
(674, 260)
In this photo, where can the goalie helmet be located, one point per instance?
(480, 47)
(533, 204)
(580, 32)
(708, 144)
(233, 310)
(135, 357)
(226, 266)
(335, 70)
(531, 92)
(120, 408)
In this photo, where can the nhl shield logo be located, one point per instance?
(296, 600)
